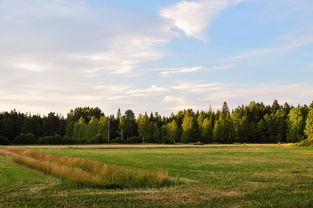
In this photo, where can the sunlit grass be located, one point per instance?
(88, 172)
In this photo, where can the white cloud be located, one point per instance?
(162, 98)
(200, 95)
(171, 71)
(193, 17)
(29, 66)
(286, 45)
(57, 55)
(125, 53)
(70, 35)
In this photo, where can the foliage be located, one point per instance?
(188, 128)
(296, 125)
(252, 123)
(118, 141)
(145, 127)
(56, 139)
(25, 138)
(4, 140)
(134, 140)
(306, 143)
(170, 133)
(309, 124)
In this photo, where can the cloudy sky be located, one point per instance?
(156, 55)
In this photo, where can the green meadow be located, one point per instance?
(212, 176)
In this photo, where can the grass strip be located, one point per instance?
(88, 172)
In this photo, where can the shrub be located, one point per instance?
(4, 140)
(81, 141)
(307, 142)
(98, 139)
(69, 140)
(134, 139)
(25, 138)
(118, 141)
(56, 139)
(166, 140)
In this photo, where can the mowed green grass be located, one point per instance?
(239, 176)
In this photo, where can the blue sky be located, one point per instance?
(158, 55)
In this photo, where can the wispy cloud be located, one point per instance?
(183, 70)
(287, 45)
(193, 17)
(56, 55)
(81, 39)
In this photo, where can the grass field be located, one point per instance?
(214, 176)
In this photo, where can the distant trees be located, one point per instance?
(25, 138)
(4, 140)
(206, 130)
(86, 113)
(296, 125)
(170, 135)
(130, 124)
(95, 131)
(189, 128)
(309, 123)
(145, 127)
(252, 123)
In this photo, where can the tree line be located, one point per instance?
(252, 123)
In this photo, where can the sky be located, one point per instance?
(156, 55)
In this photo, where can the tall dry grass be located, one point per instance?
(88, 172)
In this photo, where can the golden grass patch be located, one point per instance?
(88, 172)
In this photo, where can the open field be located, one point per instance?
(143, 146)
(215, 176)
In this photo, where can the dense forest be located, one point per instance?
(253, 123)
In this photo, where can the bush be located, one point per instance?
(4, 140)
(166, 140)
(307, 142)
(69, 140)
(56, 139)
(81, 141)
(134, 139)
(118, 141)
(98, 139)
(23, 138)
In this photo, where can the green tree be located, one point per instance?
(85, 112)
(187, 127)
(295, 125)
(261, 129)
(224, 128)
(23, 138)
(80, 130)
(121, 126)
(207, 130)
(171, 131)
(130, 124)
(309, 124)
(103, 127)
(92, 129)
(275, 106)
(280, 126)
(145, 127)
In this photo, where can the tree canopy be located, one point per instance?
(252, 123)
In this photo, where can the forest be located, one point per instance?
(252, 123)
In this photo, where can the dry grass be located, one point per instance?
(88, 172)
(145, 146)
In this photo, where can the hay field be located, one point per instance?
(214, 176)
